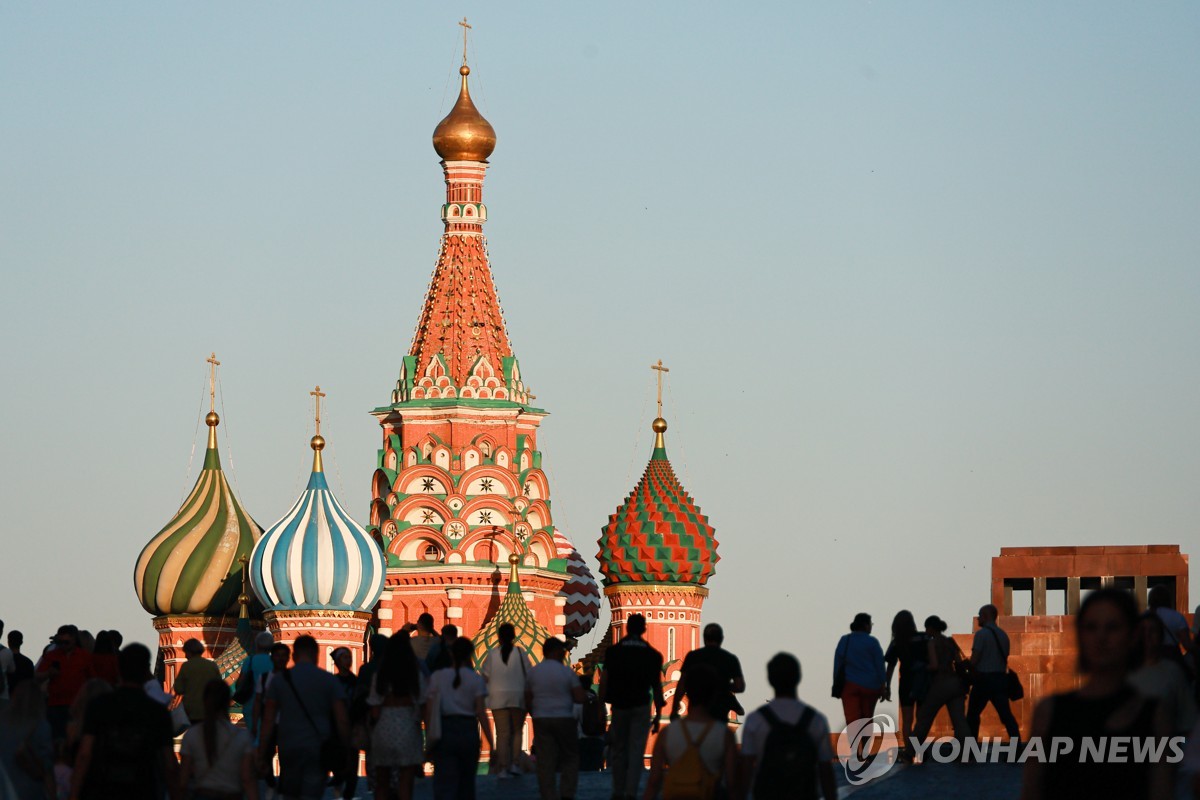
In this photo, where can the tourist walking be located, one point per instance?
(631, 679)
(64, 668)
(439, 656)
(505, 668)
(946, 665)
(8, 669)
(345, 779)
(304, 709)
(785, 744)
(26, 747)
(1177, 643)
(551, 691)
(1162, 678)
(724, 664)
(126, 750)
(695, 756)
(23, 665)
(1105, 706)
(424, 637)
(456, 697)
(217, 758)
(858, 671)
(908, 649)
(104, 658)
(257, 668)
(397, 697)
(989, 667)
(192, 679)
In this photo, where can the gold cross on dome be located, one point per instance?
(661, 369)
(317, 393)
(212, 381)
(465, 28)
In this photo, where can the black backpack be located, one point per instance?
(787, 767)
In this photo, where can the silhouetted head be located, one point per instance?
(133, 663)
(783, 673)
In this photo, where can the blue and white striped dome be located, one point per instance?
(317, 557)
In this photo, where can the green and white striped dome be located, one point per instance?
(191, 566)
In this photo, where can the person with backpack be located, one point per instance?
(504, 668)
(989, 665)
(785, 744)
(696, 754)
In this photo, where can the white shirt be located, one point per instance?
(552, 684)
(459, 701)
(506, 682)
(225, 775)
(789, 710)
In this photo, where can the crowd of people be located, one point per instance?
(90, 720)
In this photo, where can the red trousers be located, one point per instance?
(858, 702)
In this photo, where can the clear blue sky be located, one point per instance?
(926, 276)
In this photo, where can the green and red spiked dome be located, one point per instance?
(658, 535)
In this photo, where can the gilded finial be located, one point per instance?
(244, 597)
(317, 442)
(211, 419)
(466, 27)
(659, 426)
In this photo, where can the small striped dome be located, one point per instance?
(582, 593)
(317, 556)
(191, 566)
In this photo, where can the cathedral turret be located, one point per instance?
(189, 576)
(657, 552)
(459, 485)
(316, 570)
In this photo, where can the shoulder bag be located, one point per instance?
(839, 677)
(1012, 681)
(333, 755)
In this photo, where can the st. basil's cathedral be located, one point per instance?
(460, 522)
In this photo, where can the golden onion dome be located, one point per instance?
(464, 135)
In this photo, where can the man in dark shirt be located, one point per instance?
(727, 667)
(23, 664)
(632, 677)
(126, 748)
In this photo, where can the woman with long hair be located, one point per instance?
(909, 649)
(397, 694)
(944, 663)
(504, 669)
(1106, 706)
(217, 759)
(26, 749)
(456, 697)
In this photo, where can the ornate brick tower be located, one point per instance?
(189, 575)
(459, 485)
(656, 554)
(316, 570)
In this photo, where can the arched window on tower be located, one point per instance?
(670, 644)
